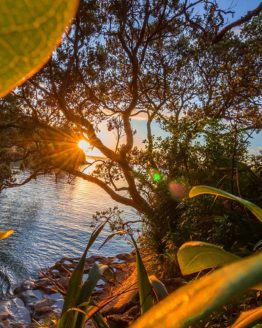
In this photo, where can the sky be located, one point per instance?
(241, 7)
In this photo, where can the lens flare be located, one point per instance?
(83, 145)
(157, 177)
(178, 191)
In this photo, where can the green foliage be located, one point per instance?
(188, 304)
(200, 150)
(198, 147)
(193, 302)
(77, 292)
(196, 256)
(30, 31)
(118, 59)
(200, 190)
(79, 306)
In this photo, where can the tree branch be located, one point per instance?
(238, 22)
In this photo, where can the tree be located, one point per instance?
(123, 59)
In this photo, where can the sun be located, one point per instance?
(83, 145)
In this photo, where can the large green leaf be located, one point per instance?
(195, 256)
(202, 190)
(29, 31)
(249, 318)
(197, 299)
(75, 285)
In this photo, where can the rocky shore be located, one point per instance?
(37, 301)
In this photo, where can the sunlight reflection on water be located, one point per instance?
(51, 220)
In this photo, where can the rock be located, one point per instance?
(117, 321)
(43, 309)
(31, 296)
(63, 281)
(125, 257)
(43, 306)
(58, 306)
(56, 273)
(4, 315)
(133, 312)
(58, 302)
(18, 313)
(5, 324)
(54, 296)
(26, 285)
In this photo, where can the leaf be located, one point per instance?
(76, 309)
(94, 275)
(201, 190)
(195, 256)
(158, 287)
(29, 31)
(144, 286)
(5, 234)
(249, 318)
(75, 284)
(99, 321)
(199, 298)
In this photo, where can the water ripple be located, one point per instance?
(50, 220)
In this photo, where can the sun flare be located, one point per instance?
(84, 145)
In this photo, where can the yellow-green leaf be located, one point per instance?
(199, 298)
(201, 190)
(195, 256)
(29, 31)
(249, 318)
(5, 234)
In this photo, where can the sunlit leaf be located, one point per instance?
(199, 298)
(29, 32)
(158, 287)
(144, 286)
(76, 309)
(202, 190)
(195, 256)
(5, 234)
(249, 318)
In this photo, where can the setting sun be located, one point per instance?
(84, 145)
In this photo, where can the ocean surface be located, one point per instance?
(51, 220)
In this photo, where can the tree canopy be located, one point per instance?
(179, 63)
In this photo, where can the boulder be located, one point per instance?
(43, 306)
(31, 296)
(125, 257)
(15, 311)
